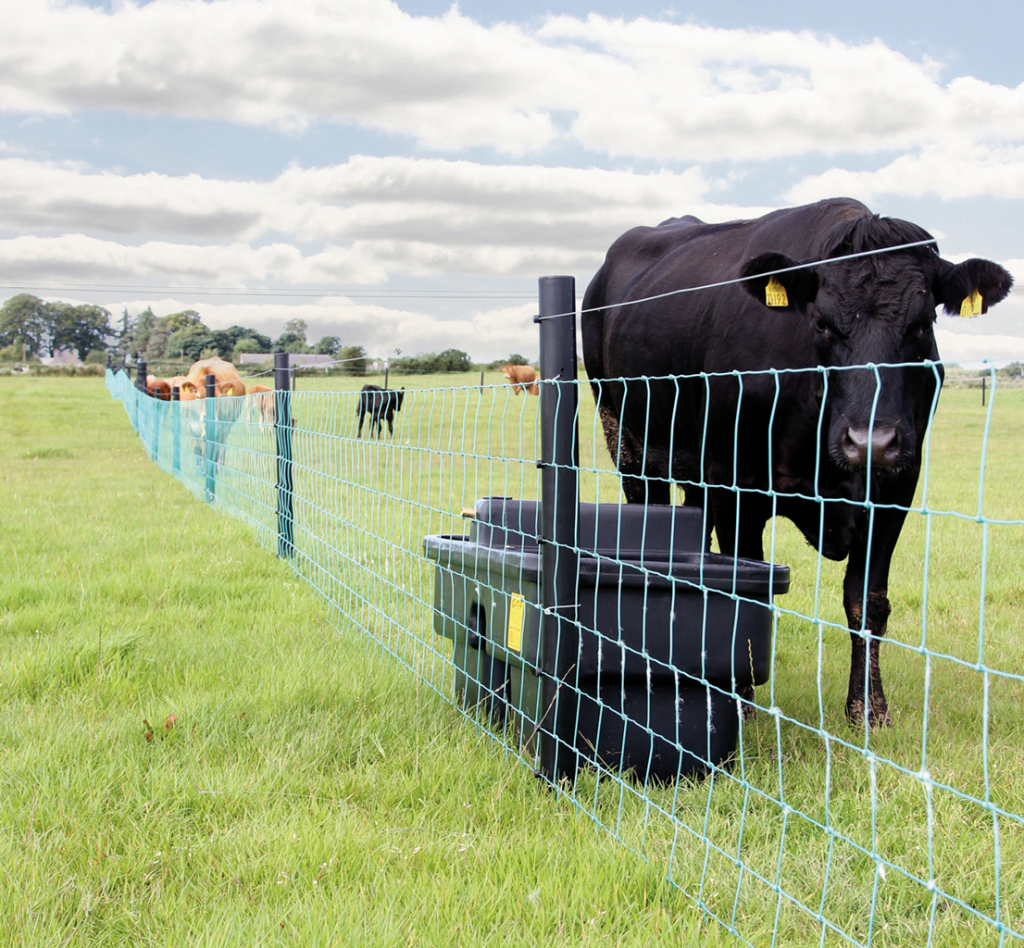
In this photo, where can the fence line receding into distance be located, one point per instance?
(611, 652)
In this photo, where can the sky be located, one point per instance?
(399, 174)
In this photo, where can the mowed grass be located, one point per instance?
(296, 789)
(296, 742)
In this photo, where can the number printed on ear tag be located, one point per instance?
(971, 306)
(775, 293)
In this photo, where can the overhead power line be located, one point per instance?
(271, 292)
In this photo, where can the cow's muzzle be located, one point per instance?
(881, 447)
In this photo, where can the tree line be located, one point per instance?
(185, 337)
(30, 328)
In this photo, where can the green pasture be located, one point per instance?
(316, 786)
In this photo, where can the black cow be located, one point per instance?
(865, 425)
(380, 404)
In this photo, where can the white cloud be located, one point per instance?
(947, 172)
(80, 258)
(365, 197)
(361, 222)
(644, 88)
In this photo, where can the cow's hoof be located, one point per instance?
(878, 715)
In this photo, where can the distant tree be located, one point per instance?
(451, 360)
(296, 327)
(136, 338)
(238, 333)
(25, 322)
(156, 346)
(355, 360)
(454, 360)
(514, 359)
(245, 345)
(223, 340)
(182, 320)
(83, 328)
(262, 341)
(327, 345)
(290, 342)
(189, 343)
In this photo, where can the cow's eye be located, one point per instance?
(920, 330)
(823, 327)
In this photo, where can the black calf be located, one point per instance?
(379, 404)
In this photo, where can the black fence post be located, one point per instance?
(283, 433)
(176, 430)
(210, 436)
(983, 381)
(141, 377)
(560, 636)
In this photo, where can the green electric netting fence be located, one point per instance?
(703, 697)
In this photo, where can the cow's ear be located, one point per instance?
(792, 290)
(971, 287)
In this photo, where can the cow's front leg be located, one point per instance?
(865, 667)
(865, 596)
(865, 694)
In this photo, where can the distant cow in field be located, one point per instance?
(380, 404)
(663, 368)
(521, 377)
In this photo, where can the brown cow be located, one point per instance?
(228, 382)
(186, 390)
(158, 388)
(261, 406)
(521, 377)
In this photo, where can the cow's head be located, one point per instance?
(400, 399)
(877, 310)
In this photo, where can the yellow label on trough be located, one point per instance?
(775, 293)
(516, 612)
(971, 306)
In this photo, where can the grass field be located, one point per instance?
(311, 789)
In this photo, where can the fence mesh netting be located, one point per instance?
(776, 816)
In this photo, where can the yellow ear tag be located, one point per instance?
(971, 306)
(775, 293)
